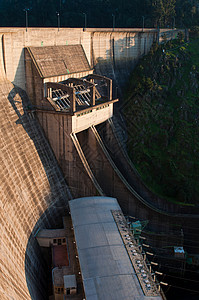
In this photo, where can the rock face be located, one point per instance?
(32, 187)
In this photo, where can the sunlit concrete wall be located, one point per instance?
(116, 53)
(109, 52)
(94, 117)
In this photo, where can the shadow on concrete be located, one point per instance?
(56, 200)
(37, 266)
(27, 119)
(121, 58)
(19, 79)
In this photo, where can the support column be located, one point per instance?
(73, 102)
(93, 95)
(110, 90)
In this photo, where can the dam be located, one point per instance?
(59, 141)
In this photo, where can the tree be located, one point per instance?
(163, 11)
(99, 12)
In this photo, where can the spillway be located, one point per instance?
(116, 178)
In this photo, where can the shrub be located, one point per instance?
(194, 31)
(180, 36)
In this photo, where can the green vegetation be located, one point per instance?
(162, 114)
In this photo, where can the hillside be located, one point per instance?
(162, 116)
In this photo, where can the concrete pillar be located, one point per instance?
(158, 35)
(93, 95)
(73, 101)
(110, 90)
(50, 92)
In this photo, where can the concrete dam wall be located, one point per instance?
(33, 194)
(112, 53)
